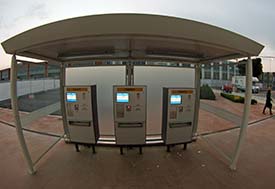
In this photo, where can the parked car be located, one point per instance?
(227, 88)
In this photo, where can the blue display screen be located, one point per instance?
(122, 97)
(71, 97)
(175, 99)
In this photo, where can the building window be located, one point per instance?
(207, 71)
(231, 71)
(216, 68)
(216, 75)
(224, 72)
(207, 74)
(5, 75)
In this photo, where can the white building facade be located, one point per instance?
(217, 74)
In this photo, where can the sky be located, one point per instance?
(254, 19)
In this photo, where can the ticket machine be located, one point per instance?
(177, 116)
(129, 103)
(81, 113)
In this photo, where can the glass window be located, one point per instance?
(207, 74)
(216, 68)
(216, 75)
(156, 78)
(104, 77)
(224, 71)
(207, 71)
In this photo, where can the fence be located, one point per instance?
(28, 87)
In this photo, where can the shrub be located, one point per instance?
(236, 98)
(207, 93)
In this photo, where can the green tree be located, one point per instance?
(241, 66)
(257, 67)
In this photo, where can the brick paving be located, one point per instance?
(213, 116)
(199, 167)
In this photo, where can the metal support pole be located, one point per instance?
(9, 75)
(184, 146)
(140, 150)
(168, 148)
(28, 71)
(202, 73)
(212, 72)
(18, 125)
(235, 70)
(228, 72)
(197, 99)
(93, 146)
(121, 150)
(62, 101)
(220, 70)
(248, 94)
(46, 73)
(126, 75)
(129, 74)
(132, 75)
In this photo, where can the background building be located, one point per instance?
(27, 71)
(5, 74)
(217, 74)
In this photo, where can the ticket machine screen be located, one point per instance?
(122, 97)
(71, 97)
(175, 99)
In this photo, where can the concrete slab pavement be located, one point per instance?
(200, 166)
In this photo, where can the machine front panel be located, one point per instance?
(181, 106)
(80, 110)
(178, 115)
(130, 114)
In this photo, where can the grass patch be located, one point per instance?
(236, 98)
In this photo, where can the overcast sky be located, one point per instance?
(254, 19)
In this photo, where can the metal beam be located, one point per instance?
(242, 135)
(62, 100)
(220, 58)
(27, 119)
(197, 100)
(48, 149)
(129, 74)
(53, 61)
(15, 110)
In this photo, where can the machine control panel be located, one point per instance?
(180, 105)
(130, 104)
(178, 114)
(78, 103)
(130, 114)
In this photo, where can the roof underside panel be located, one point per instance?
(131, 35)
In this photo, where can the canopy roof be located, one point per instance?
(135, 36)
